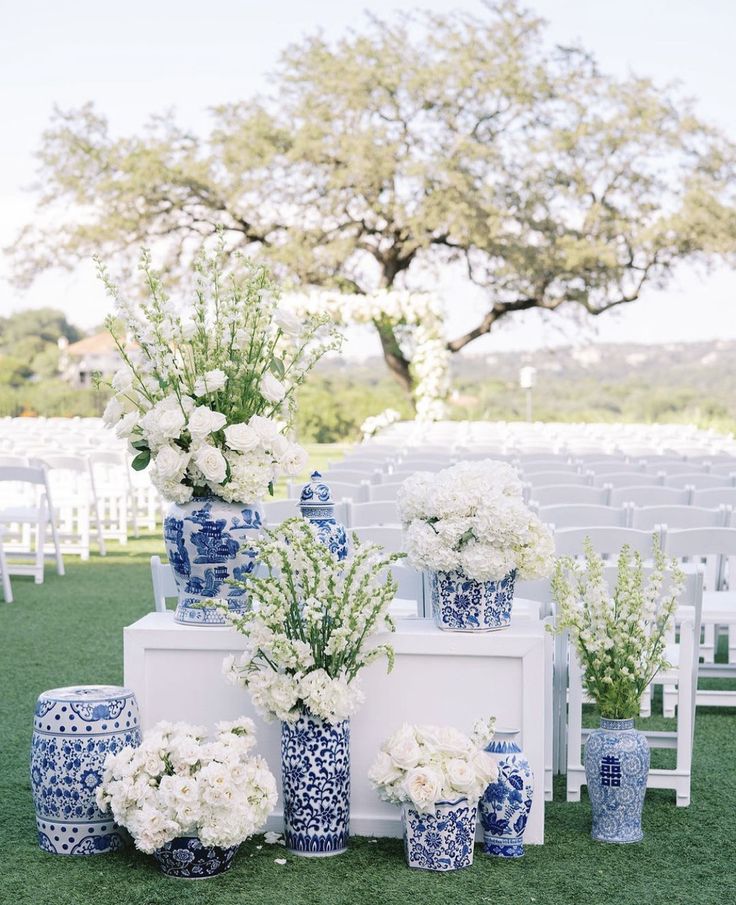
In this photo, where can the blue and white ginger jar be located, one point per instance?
(186, 858)
(74, 730)
(506, 803)
(462, 604)
(616, 771)
(316, 505)
(207, 543)
(441, 839)
(315, 771)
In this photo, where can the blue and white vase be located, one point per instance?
(186, 858)
(74, 729)
(616, 771)
(206, 543)
(506, 803)
(462, 604)
(316, 505)
(441, 839)
(315, 771)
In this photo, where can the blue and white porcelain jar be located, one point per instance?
(186, 858)
(74, 729)
(441, 839)
(462, 604)
(316, 505)
(206, 543)
(315, 771)
(506, 803)
(616, 771)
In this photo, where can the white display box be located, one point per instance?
(444, 678)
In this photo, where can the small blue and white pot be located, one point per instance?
(441, 839)
(74, 729)
(462, 604)
(186, 858)
(506, 803)
(206, 543)
(616, 771)
(315, 771)
(317, 506)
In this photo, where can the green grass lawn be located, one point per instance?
(70, 631)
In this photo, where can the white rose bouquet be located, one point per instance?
(177, 784)
(310, 624)
(423, 765)
(205, 394)
(472, 518)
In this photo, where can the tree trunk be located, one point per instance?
(397, 363)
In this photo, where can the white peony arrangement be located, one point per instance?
(177, 784)
(205, 393)
(472, 518)
(424, 765)
(310, 624)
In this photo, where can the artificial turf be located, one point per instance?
(69, 630)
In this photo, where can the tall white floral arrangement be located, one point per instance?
(472, 517)
(205, 394)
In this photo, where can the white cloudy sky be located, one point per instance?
(136, 58)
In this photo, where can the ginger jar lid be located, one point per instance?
(315, 493)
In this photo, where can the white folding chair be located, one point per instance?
(572, 494)
(584, 515)
(410, 593)
(626, 479)
(653, 495)
(532, 468)
(606, 541)
(391, 539)
(111, 488)
(164, 583)
(698, 480)
(383, 492)
(75, 504)
(714, 496)
(647, 518)
(671, 468)
(547, 478)
(372, 514)
(614, 468)
(27, 521)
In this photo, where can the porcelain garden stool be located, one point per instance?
(74, 729)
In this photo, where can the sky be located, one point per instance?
(137, 58)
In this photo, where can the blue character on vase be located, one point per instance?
(316, 505)
(506, 803)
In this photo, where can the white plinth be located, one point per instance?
(439, 677)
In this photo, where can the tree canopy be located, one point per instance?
(418, 141)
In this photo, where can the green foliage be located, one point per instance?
(52, 398)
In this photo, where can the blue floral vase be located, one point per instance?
(315, 771)
(74, 729)
(316, 505)
(441, 839)
(506, 803)
(206, 543)
(186, 858)
(616, 771)
(462, 604)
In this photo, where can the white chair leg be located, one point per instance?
(56, 542)
(5, 576)
(40, 544)
(731, 629)
(645, 704)
(669, 700)
(575, 772)
(707, 648)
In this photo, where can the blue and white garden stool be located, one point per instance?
(316, 505)
(74, 729)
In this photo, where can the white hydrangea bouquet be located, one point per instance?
(425, 765)
(177, 784)
(205, 393)
(471, 518)
(620, 635)
(310, 623)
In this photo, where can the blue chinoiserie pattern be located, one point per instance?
(315, 769)
(206, 543)
(506, 803)
(316, 505)
(441, 839)
(462, 604)
(616, 771)
(74, 729)
(186, 858)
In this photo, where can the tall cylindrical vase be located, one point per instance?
(206, 543)
(506, 803)
(616, 770)
(315, 768)
(462, 604)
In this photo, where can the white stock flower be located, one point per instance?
(287, 322)
(241, 437)
(272, 389)
(210, 382)
(203, 422)
(122, 381)
(211, 462)
(113, 412)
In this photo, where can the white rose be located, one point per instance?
(112, 413)
(423, 786)
(203, 421)
(453, 742)
(461, 774)
(127, 423)
(294, 460)
(122, 380)
(211, 462)
(272, 389)
(287, 322)
(210, 382)
(171, 423)
(241, 437)
(384, 771)
(266, 428)
(171, 463)
(404, 750)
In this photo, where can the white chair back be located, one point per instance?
(573, 494)
(626, 479)
(164, 583)
(373, 514)
(606, 541)
(391, 539)
(384, 492)
(548, 478)
(698, 480)
(584, 515)
(653, 495)
(647, 518)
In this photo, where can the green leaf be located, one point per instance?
(270, 488)
(140, 444)
(141, 460)
(277, 368)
